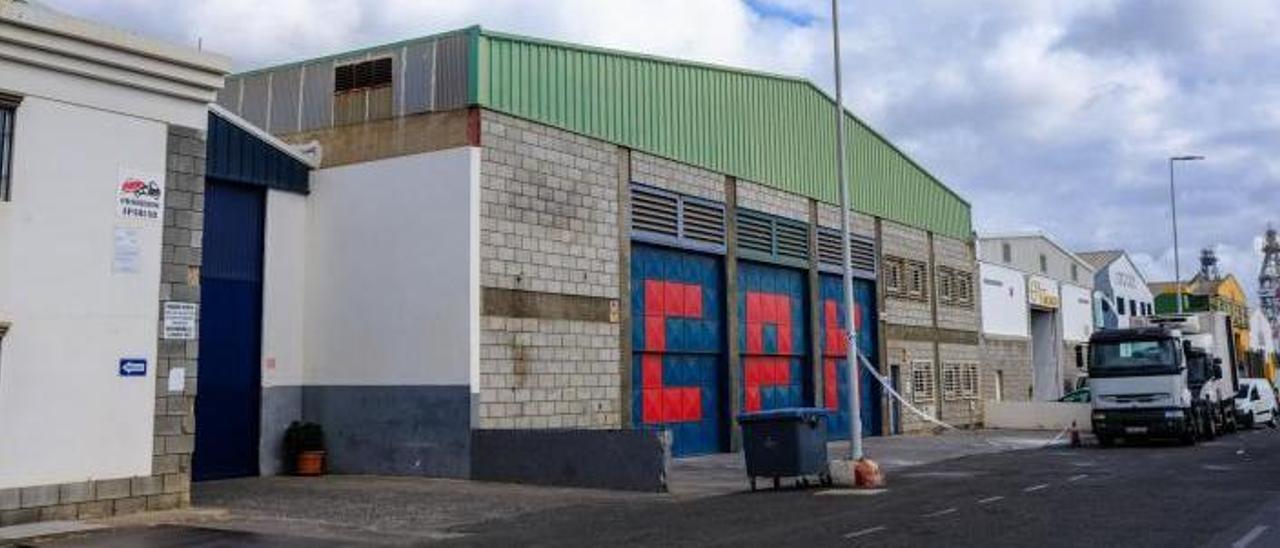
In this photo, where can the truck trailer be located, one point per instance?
(1168, 376)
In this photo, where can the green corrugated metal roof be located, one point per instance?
(765, 128)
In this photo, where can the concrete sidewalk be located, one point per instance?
(725, 473)
(401, 510)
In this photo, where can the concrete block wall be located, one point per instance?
(772, 201)
(677, 177)
(543, 373)
(549, 231)
(962, 411)
(169, 485)
(1012, 358)
(904, 355)
(908, 243)
(958, 255)
(863, 224)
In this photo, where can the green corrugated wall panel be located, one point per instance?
(762, 128)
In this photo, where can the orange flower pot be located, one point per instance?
(310, 463)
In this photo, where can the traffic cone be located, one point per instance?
(867, 475)
(1075, 435)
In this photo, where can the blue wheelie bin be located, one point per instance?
(786, 443)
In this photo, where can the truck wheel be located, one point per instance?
(1188, 436)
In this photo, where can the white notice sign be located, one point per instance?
(139, 196)
(126, 251)
(177, 379)
(180, 321)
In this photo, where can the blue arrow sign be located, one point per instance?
(133, 367)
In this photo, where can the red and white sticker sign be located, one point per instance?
(139, 196)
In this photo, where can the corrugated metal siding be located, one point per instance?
(428, 74)
(284, 100)
(235, 155)
(776, 131)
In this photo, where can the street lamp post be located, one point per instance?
(855, 411)
(1173, 206)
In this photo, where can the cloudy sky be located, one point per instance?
(1051, 115)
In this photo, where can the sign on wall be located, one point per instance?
(133, 367)
(180, 321)
(139, 196)
(126, 251)
(1042, 292)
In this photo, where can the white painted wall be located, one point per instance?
(1037, 415)
(1004, 301)
(1077, 313)
(393, 290)
(65, 414)
(284, 289)
(1128, 284)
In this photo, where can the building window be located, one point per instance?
(959, 381)
(1133, 307)
(1120, 307)
(999, 385)
(1006, 252)
(922, 381)
(8, 112)
(1044, 263)
(1082, 357)
(955, 287)
(1075, 272)
(906, 278)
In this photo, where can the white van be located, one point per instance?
(1256, 403)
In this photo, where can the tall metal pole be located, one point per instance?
(850, 306)
(1173, 206)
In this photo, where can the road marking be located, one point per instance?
(1249, 537)
(1035, 488)
(867, 531)
(939, 513)
(1077, 477)
(990, 500)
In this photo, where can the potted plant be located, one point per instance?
(304, 448)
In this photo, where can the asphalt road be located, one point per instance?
(1223, 493)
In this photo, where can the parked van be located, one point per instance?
(1256, 403)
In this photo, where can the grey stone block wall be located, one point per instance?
(169, 485)
(906, 355)
(863, 224)
(907, 243)
(1012, 358)
(676, 177)
(758, 197)
(963, 411)
(549, 225)
(958, 255)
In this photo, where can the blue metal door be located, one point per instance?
(677, 363)
(228, 399)
(773, 337)
(835, 352)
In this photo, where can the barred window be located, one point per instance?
(955, 287)
(893, 275)
(917, 279)
(969, 381)
(922, 381)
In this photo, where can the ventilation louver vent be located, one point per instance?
(862, 252)
(764, 236)
(668, 218)
(755, 233)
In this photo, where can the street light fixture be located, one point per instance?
(1173, 206)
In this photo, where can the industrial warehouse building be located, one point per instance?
(1037, 316)
(512, 235)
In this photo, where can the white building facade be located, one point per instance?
(1120, 287)
(1037, 315)
(98, 230)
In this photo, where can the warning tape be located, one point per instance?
(889, 387)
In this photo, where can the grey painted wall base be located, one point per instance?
(633, 460)
(281, 405)
(393, 430)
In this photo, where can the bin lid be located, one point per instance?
(785, 413)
